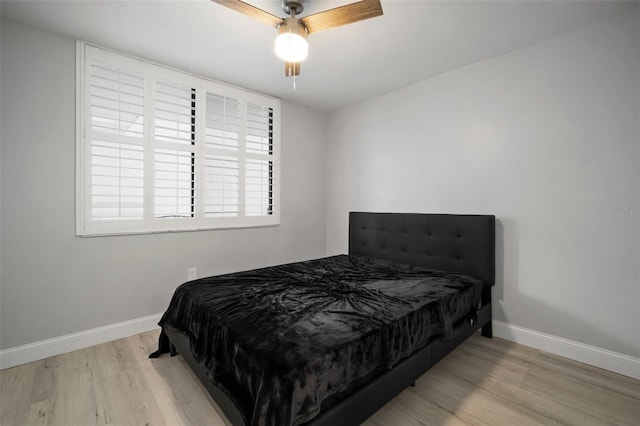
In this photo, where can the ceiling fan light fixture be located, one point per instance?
(291, 42)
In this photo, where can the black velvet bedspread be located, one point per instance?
(281, 340)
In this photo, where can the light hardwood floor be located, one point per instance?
(483, 382)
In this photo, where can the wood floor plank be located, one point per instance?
(589, 400)
(426, 411)
(16, 388)
(40, 413)
(472, 404)
(608, 381)
(175, 386)
(483, 382)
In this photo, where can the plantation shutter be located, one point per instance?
(174, 153)
(222, 165)
(116, 144)
(161, 150)
(259, 164)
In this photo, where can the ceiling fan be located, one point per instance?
(291, 42)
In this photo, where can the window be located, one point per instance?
(160, 150)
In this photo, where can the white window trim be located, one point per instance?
(87, 228)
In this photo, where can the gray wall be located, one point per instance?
(547, 138)
(54, 283)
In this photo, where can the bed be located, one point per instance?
(330, 341)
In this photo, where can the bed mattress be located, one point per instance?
(282, 341)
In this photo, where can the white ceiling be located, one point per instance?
(412, 41)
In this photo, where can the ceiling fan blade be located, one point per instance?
(342, 15)
(291, 69)
(251, 11)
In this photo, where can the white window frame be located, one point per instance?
(86, 227)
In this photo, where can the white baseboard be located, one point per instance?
(45, 348)
(592, 355)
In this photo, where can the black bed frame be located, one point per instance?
(454, 243)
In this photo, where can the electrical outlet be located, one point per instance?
(192, 273)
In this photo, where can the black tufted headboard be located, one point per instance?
(447, 242)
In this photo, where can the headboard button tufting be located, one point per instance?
(414, 237)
